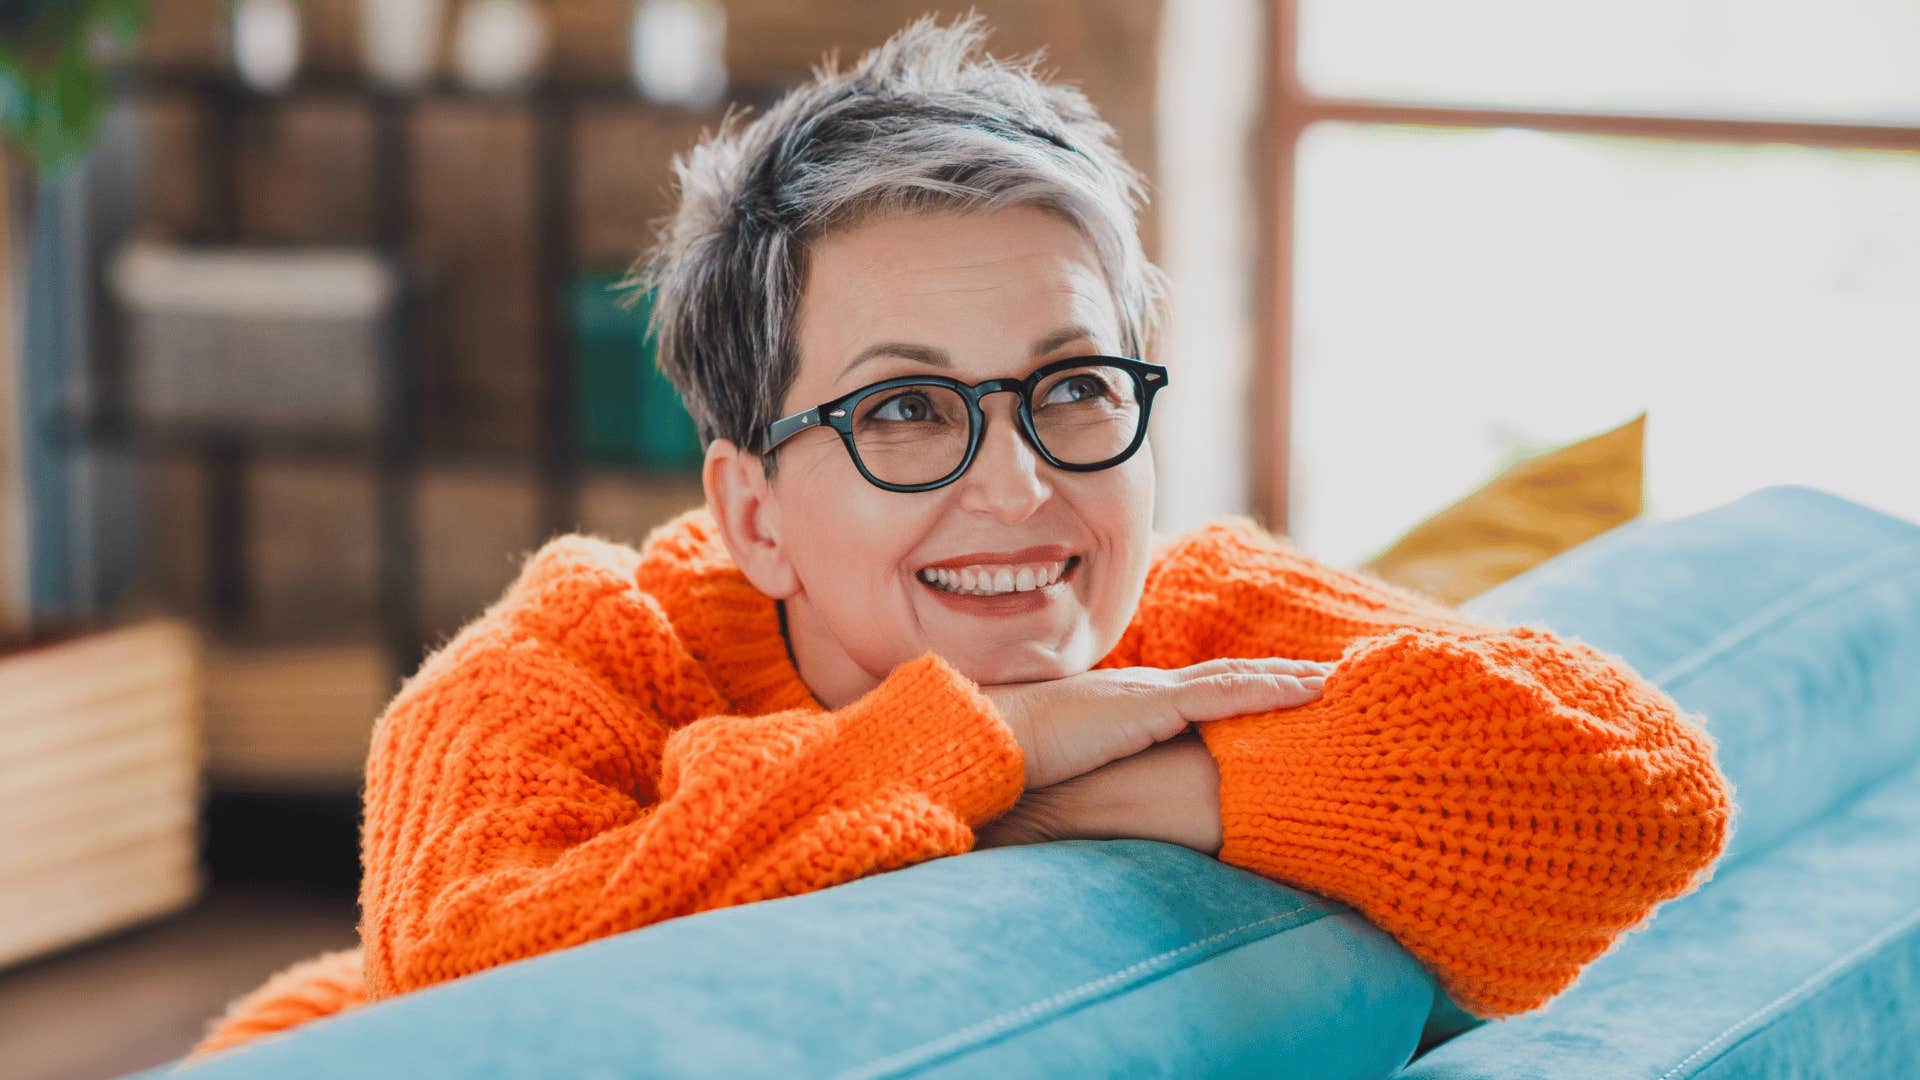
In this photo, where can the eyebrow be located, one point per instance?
(927, 354)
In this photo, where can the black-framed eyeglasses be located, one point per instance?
(920, 432)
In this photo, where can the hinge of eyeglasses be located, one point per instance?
(1151, 377)
(838, 412)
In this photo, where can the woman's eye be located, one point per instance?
(912, 407)
(1077, 388)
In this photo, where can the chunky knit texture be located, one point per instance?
(622, 738)
(1504, 802)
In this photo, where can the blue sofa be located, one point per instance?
(1790, 619)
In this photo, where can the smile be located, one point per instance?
(997, 580)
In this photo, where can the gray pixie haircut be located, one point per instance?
(924, 122)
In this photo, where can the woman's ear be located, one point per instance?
(741, 501)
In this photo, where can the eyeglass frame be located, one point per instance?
(1148, 379)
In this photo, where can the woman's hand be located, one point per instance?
(1169, 792)
(1071, 726)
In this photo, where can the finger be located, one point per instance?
(1217, 697)
(1259, 665)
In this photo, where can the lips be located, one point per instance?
(1043, 553)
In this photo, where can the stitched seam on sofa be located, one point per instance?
(1140, 972)
(1745, 1029)
(1819, 591)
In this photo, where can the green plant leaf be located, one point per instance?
(53, 91)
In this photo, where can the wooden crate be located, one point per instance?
(100, 784)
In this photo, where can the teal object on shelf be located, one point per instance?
(627, 412)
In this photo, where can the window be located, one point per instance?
(1472, 280)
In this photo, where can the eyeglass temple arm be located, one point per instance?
(787, 427)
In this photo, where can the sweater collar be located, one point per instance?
(730, 627)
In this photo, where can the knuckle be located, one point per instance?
(1265, 683)
(1145, 676)
(1139, 684)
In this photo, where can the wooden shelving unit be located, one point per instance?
(395, 454)
(288, 719)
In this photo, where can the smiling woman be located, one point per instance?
(841, 554)
(985, 292)
(922, 608)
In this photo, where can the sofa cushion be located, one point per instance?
(1532, 511)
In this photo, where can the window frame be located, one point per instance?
(1291, 109)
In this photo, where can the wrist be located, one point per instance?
(1192, 807)
(1170, 793)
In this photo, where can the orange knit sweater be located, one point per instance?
(622, 738)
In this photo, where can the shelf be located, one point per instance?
(342, 448)
(321, 85)
(76, 428)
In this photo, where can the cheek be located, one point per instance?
(857, 543)
(1123, 510)
(1127, 526)
(1117, 510)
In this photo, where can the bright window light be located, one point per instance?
(1465, 297)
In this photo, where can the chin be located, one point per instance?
(992, 671)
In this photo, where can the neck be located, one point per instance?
(832, 676)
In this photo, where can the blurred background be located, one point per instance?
(306, 336)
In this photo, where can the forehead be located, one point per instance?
(982, 287)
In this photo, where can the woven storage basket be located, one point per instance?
(281, 340)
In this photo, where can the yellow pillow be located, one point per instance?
(1532, 511)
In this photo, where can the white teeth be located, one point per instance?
(994, 581)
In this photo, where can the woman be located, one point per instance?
(921, 609)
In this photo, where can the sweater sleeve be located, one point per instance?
(524, 797)
(1505, 802)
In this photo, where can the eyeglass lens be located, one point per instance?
(919, 433)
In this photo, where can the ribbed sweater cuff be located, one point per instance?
(930, 725)
(1504, 806)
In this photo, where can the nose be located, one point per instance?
(1005, 480)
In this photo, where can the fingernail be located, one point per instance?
(1313, 682)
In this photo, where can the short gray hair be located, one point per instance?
(925, 121)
